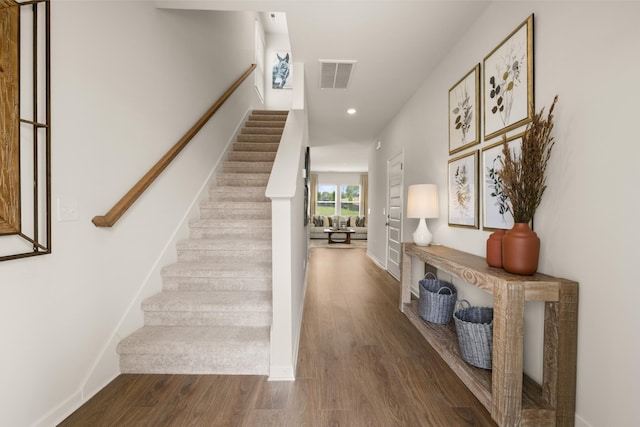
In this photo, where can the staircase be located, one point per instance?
(214, 313)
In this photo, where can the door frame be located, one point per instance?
(397, 157)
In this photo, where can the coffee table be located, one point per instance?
(346, 231)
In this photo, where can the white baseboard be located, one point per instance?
(282, 373)
(376, 260)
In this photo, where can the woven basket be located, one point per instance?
(474, 326)
(437, 300)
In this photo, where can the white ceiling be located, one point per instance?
(396, 44)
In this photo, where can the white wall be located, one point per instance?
(586, 53)
(336, 178)
(127, 81)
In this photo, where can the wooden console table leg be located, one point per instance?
(560, 350)
(508, 339)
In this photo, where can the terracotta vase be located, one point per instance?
(520, 250)
(494, 249)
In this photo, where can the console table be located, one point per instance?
(512, 398)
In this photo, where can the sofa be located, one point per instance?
(319, 222)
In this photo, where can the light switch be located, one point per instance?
(67, 210)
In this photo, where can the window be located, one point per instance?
(349, 200)
(326, 200)
(345, 203)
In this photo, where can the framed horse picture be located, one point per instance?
(281, 76)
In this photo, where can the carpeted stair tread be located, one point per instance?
(222, 350)
(267, 118)
(233, 301)
(222, 213)
(256, 146)
(261, 130)
(242, 179)
(252, 156)
(233, 163)
(223, 255)
(255, 122)
(219, 269)
(224, 244)
(246, 167)
(251, 224)
(175, 339)
(231, 193)
(236, 204)
(224, 229)
(271, 112)
(230, 283)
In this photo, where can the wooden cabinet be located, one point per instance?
(511, 397)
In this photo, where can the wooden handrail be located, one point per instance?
(136, 191)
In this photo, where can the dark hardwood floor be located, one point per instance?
(361, 363)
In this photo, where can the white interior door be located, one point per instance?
(394, 215)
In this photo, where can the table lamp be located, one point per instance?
(422, 202)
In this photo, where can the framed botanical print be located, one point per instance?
(496, 209)
(508, 82)
(462, 186)
(464, 112)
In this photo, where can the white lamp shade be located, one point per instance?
(422, 201)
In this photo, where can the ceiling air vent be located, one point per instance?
(335, 74)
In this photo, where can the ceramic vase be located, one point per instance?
(520, 250)
(494, 249)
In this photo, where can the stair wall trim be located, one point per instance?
(107, 364)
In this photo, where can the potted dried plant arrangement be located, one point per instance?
(524, 182)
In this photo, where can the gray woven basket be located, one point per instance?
(474, 326)
(437, 300)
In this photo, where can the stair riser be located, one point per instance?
(267, 118)
(256, 146)
(232, 181)
(207, 213)
(274, 139)
(237, 196)
(196, 284)
(230, 233)
(232, 163)
(261, 131)
(224, 256)
(237, 205)
(237, 318)
(185, 364)
(229, 245)
(248, 168)
(257, 224)
(248, 156)
(283, 113)
(257, 123)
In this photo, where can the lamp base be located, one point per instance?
(422, 236)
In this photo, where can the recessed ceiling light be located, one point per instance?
(351, 111)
